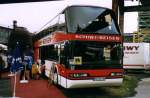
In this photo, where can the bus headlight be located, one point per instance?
(78, 75)
(116, 74)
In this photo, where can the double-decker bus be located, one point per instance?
(82, 48)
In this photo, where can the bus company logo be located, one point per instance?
(98, 37)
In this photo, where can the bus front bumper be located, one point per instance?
(93, 83)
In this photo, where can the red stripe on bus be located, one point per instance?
(60, 36)
(134, 65)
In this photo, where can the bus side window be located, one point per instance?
(63, 54)
(52, 54)
(61, 22)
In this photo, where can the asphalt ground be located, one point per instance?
(143, 88)
(42, 89)
(5, 86)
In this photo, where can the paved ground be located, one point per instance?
(41, 89)
(33, 89)
(5, 87)
(5, 90)
(143, 89)
(36, 89)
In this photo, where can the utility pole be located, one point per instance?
(118, 8)
(14, 25)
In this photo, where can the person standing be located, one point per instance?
(30, 65)
(16, 62)
(42, 70)
(9, 67)
(26, 73)
(35, 70)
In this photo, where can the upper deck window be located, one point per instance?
(85, 19)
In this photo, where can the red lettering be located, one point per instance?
(95, 37)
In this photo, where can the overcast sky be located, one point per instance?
(34, 15)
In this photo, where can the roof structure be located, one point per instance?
(22, 1)
(145, 6)
(145, 2)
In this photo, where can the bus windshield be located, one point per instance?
(85, 19)
(91, 55)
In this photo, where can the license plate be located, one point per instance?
(99, 79)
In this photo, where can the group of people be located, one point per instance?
(38, 71)
(29, 69)
(23, 63)
(33, 71)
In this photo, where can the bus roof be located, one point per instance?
(85, 6)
